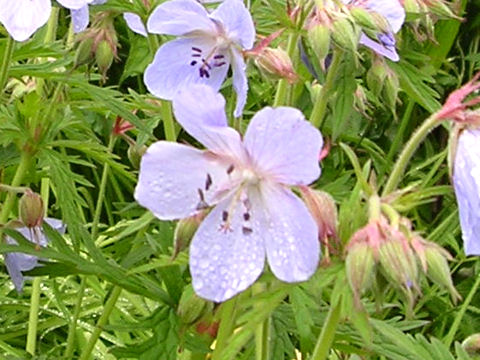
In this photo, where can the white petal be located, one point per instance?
(23, 18)
(176, 180)
(237, 22)
(240, 82)
(201, 112)
(80, 19)
(224, 262)
(135, 23)
(289, 232)
(466, 180)
(391, 10)
(73, 4)
(180, 17)
(283, 145)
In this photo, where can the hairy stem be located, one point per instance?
(320, 106)
(458, 319)
(407, 153)
(325, 340)
(227, 324)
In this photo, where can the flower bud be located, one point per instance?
(104, 56)
(472, 346)
(412, 6)
(184, 232)
(440, 8)
(345, 35)
(191, 307)
(376, 77)
(135, 153)
(360, 267)
(364, 18)
(323, 209)
(84, 53)
(392, 86)
(399, 263)
(276, 63)
(319, 38)
(438, 270)
(31, 210)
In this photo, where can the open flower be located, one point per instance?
(247, 182)
(394, 13)
(466, 181)
(23, 18)
(17, 262)
(208, 44)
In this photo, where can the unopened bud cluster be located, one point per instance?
(398, 254)
(98, 43)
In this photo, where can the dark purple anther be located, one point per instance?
(387, 39)
(218, 57)
(196, 49)
(208, 182)
(246, 216)
(219, 64)
(246, 230)
(193, 63)
(225, 215)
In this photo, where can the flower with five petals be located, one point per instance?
(247, 182)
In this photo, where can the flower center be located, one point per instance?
(206, 62)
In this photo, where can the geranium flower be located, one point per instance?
(208, 44)
(394, 13)
(17, 262)
(254, 214)
(22, 18)
(466, 181)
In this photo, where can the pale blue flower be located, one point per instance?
(208, 44)
(394, 13)
(22, 18)
(247, 182)
(17, 262)
(466, 181)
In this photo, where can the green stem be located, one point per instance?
(407, 152)
(153, 43)
(262, 340)
(227, 324)
(35, 296)
(262, 332)
(320, 106)
(33, 316)
(73, 324)
(17, 180)
(282, 88)
(401, 130)
(101, 192)
(107, 310)
(7, 58)
(456, 323)
(168, 122)
(325, 340)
